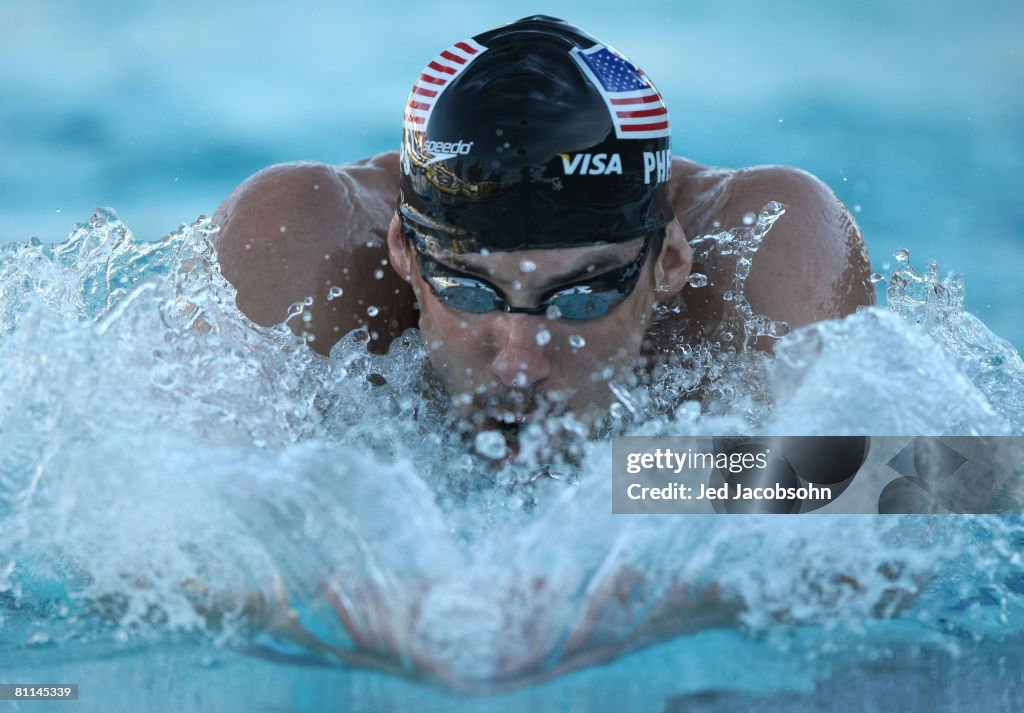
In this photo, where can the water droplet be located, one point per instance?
(726, 336)
(316, 186)
(517, 285)
(577, 342)
(38, 638)
(490, 444)
(875, 277)
(857, 208)
(283, 228)
(902, 256)
(527, 265)
(729, 296)
(697, 279)
(780, 119)
(372, 311)
(378, 274)
(553, 312)
(743, 268)
(307, 317)
(749, 218)
(334, 293)
(543, 337)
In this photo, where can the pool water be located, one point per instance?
(715, 672)
(179, 460)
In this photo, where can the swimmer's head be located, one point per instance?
(534, 222)
(533, 135)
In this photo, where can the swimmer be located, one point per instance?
(529, 225)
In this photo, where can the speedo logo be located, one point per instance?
(442, 150)
(591, 164)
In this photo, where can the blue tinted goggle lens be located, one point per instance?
(468, 298)
(587, 305)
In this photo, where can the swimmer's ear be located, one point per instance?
(398, 251)
(674, 263)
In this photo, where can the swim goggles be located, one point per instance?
(585, 299)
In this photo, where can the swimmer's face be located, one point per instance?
(501, 366)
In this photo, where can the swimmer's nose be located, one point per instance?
(521, 360)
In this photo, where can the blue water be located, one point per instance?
(150, 435)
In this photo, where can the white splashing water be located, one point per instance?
(167, 465)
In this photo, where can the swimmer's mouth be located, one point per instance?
(513, 412)
(506, 422)
(509, 413)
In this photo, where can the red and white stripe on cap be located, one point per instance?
(435, 78)
(636, 108)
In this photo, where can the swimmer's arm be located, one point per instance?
(270, 613)
(297, 230)
(600, 632)
(666, 612)
(384, 640)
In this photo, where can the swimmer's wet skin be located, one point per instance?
(540, 221)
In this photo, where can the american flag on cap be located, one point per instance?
(435, 78)
(636, 107)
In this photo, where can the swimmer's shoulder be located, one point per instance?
(315, 194)
(298, 230)
(813, 264)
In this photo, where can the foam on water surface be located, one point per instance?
(168, 468)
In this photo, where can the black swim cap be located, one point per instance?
(534, 135)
